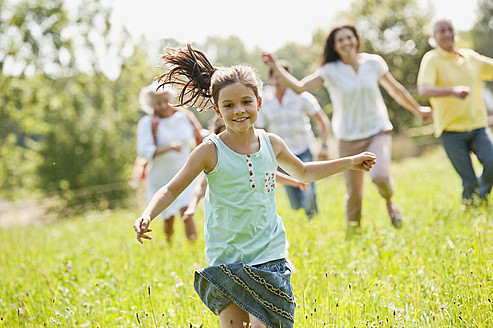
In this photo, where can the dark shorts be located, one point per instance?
(263, 290)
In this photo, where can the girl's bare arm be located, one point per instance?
(204, 157)
(312, 171)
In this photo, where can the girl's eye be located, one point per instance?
(247, 102)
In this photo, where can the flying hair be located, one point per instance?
(203, 82)
(196, 68)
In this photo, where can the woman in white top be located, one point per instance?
(165, 137)
(360, 119)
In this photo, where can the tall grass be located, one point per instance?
(436, 271)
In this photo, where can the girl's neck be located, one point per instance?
(241, 142)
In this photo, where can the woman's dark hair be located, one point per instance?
(203, 81)
(330, 54)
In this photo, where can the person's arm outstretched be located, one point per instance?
(309, 83)
(204, 157)
(312, 171)
(428, 90)
(290, 181)
(397, 91)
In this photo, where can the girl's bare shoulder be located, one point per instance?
(276, 142)
(206, 152)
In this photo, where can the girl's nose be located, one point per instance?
(239, 109)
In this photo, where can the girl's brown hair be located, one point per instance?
(203, 81)
(330, 54)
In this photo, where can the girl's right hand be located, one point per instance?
(141, 227)
(303, 186)
(363, 161)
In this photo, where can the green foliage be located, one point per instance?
(225, 51)
(18, 132)
(65, 124)
(482, 32)
(92, 128)
(69, 107)
(34, 36)
(434, 272)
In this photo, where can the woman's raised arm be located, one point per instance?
(309, 83)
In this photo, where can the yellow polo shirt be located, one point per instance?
(441, 68)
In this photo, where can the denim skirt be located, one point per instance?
(263, 290)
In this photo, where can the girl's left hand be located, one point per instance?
(303, 186)
(364, 161)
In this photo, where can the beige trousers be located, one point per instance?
(381, 145)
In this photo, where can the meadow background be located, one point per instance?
(89, 270)
(70, 80)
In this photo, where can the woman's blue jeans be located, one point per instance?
(306, 199)
(458, 146)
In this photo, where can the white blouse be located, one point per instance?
(359, 109)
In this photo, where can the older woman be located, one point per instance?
(165, 137)
(360, 120)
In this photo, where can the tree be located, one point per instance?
(31, 38)
(482, 32)
(67, 122)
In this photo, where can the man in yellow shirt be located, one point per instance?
(452, 79)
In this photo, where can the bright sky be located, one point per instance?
(269, 24)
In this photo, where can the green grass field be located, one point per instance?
(436, 271)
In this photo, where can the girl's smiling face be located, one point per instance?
(238, 107)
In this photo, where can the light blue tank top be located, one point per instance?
(241, 223)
